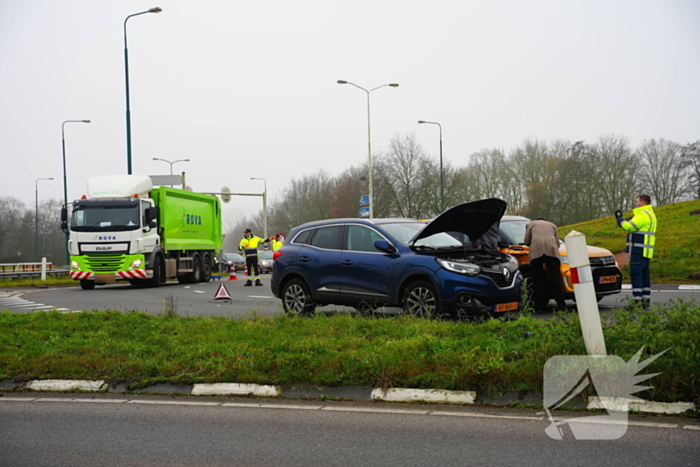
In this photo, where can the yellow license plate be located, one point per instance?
(506, 306)
(607, 280)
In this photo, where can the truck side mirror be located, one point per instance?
(64, 226)
(152, 215)
(64, 215)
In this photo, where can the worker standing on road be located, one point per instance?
(277, 242)
(249, 246)
(641, 238)
(543, 238)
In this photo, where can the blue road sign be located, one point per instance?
(364, 200)
(364, 212)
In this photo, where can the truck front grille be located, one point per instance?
(105, 263)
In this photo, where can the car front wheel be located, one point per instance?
(421, 300)
(296, 298)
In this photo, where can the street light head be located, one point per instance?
(51, 178)
(342, 81)
(394, 85)
(85, 121)
(421, 121)
(156, 9)
(185, 160)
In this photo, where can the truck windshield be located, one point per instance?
(105, 218)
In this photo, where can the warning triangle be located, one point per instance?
(222, 293)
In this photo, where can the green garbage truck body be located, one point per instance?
(126, 229)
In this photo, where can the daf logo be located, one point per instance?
(506, 274)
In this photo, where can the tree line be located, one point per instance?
(562, 181)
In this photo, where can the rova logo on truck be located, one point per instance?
(193, 219)
(104, 237)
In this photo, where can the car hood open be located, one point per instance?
(473, 219)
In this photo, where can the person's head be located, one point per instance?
(280, 238)
(247, 233)
(642, 200)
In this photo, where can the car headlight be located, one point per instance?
(135, 264)
(468, 269)
(74, 265)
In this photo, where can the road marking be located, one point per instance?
(26, 305)
(325, 408)
(259, 296)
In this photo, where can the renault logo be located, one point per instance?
(506, 273)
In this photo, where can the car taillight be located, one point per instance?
(276, 255)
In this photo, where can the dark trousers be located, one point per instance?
(253, 267)
(641, 278)
(547, 282)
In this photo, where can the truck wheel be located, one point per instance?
(86, 284)
(196, 269)
(296, 298)
(157, 273)
(206, 268)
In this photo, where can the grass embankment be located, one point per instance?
(497, 355)
(677, 249)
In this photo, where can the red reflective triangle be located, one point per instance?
(222, 293)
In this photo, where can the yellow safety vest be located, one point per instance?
(642, 232)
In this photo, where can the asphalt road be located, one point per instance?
(199, 299)
(106, 430)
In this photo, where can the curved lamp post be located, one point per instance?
(369, 138)
(126, 70)
(171, 163)
(65, 180)
(264, 206)
(442, 180)
(36, 223)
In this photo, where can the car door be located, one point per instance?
(367, 274)
(319, 259)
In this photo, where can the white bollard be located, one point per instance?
(43, 269)
(586, 302)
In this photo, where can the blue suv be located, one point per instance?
(369, 263)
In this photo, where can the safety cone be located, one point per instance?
(232, 276)
(246, 270)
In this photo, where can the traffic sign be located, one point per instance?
(364, 200)
(364, 212)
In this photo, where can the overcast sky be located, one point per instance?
(248, 89)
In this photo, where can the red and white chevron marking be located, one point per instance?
(79, 275)
(133, 274)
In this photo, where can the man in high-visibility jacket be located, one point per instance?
(249, 246)
(641, 239)
(277, 242)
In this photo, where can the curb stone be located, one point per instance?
(348, 393)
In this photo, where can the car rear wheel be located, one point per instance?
(296, 298)
(421, 300)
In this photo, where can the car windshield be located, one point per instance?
(404, 231)
(265, 254)
(515, 229)
(233, 257)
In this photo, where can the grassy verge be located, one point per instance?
(497, 355)
(51, 281)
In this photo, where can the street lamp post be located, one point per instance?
(36, 224)
(442, 179)
(126, 70)
(171, 163)
(264, 206)
(65, 180)
(369, 138)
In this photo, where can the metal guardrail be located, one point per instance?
(15, 270)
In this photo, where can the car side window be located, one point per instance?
(327, 237)
(303, 237)
(361, 238)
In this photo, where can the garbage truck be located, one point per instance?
(127, 229)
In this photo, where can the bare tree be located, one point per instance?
(662, 170)
(690, 157)
(617, 179)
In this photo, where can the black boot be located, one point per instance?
(248, 283)
(257, 282)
